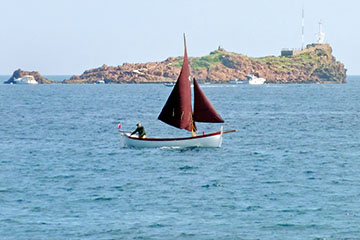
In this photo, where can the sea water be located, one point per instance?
(291, 171)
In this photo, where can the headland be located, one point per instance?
(313, 64)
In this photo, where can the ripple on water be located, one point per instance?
(290, 172)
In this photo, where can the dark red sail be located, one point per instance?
(203, 109)
(177, 111)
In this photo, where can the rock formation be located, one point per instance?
(20, 73)
(315, 64)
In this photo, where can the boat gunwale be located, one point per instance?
(174, 139)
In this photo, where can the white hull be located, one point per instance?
(208, 140)
(254, 80)
(22, 82)
(169, 84)
(28, 79)
(236, 82)
(257, 81)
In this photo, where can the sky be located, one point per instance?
(66, 37)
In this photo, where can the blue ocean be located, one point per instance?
(291, 171)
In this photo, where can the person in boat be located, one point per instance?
(140, 130)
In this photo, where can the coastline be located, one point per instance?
(313, 65)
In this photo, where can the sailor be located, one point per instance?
(140, 130)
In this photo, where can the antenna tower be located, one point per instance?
(302, 29)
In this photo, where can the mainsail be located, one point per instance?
(203, 109)
(177, 111)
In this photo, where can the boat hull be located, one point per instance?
(28, 79)
(25, 82)
(257, 81)
(207, 140)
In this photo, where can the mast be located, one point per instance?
(302, 29)
(177, 110)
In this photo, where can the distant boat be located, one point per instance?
(100, 82)
(172, 84)
(178, 113)
(256, 80)
(27, 79)
(169, 84)
(236, 81)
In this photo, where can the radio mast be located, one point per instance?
(302, 29)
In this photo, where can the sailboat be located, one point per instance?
(177, 112)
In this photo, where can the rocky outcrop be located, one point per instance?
(20, 73)
(315, 64)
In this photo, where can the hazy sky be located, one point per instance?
(70, 36)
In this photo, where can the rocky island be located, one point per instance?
(314, 64)
(20, 73)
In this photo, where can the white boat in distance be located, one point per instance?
(27, 79)
(237, 81)
(169, 84)
(178, 113)
(255, 79)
